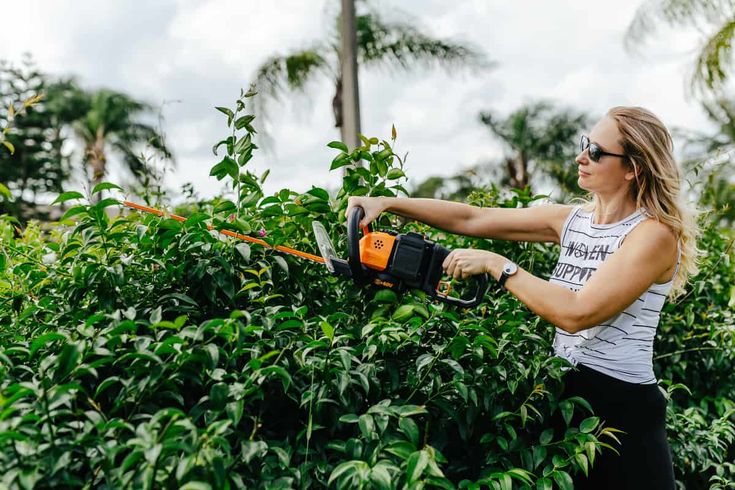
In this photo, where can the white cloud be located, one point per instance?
(201, 52)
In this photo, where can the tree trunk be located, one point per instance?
(97, 160)
(522, 171)
(337, 108)
(510, 167)
(349, 90)
(517, 171)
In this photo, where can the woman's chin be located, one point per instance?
(581, 184)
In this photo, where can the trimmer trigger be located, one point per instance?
(443, 284)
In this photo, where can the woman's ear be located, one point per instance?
(634, 173)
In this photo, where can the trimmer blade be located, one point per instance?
(325, 244)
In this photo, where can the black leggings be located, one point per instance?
(640, 410)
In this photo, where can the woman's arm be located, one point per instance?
(535, 224)
(647, 252)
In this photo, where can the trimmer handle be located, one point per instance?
(435, 273)
(353, 245)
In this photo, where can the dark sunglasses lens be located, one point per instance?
(595, 152)
(583, 143)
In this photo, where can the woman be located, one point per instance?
(624, 250)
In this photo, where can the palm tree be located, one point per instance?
(540, 145)
(707, 157)
(539, 139)
(111, 123)
(394, 45)
(716, 18)
(453, 188)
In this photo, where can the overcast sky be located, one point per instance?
(191, 55)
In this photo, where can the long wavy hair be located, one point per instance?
(648, 147)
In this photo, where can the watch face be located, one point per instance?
(510, 268)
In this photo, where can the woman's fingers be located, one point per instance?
(370, 206)
(463, 263)
(448, 262)
(369, 218)
(453, 265)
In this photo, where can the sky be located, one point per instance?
(187, 56)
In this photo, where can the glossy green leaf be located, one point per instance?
(5, 192)
(230, 115)
(416, 465)
(386, 296)
(563, 480)
(395, 173)
(403, 313)
(104, 186)
(543, 484)
(67, 196)
(338, 145)
(589, 424)
(327, 329)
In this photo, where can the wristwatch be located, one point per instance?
(509, 268)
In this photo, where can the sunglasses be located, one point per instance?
(595, 152)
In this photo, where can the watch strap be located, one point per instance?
(505, 275)
(501, 281)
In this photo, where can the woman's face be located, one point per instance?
(608, 174)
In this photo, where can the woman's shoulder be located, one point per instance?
(660, 240)
(650, 232)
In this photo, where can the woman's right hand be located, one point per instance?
(372, 206)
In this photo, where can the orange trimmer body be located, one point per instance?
(375, 249)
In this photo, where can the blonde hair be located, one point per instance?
(648, 147)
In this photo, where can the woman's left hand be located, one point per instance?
(462, 263)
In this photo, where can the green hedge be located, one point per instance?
(143, 352)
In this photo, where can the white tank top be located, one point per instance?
(621, 346)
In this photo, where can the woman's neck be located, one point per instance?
(612, 211)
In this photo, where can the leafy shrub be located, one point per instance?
(144, 352)
(696, 351)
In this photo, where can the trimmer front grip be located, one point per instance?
(482, 283)
(435, 273)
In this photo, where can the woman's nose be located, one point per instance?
(581, 158)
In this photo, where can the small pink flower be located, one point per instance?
(261, 232)
(231, 217)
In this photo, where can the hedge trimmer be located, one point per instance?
(384, 258)
(393, 260)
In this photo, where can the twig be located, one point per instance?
(695, 349)
(711, 270)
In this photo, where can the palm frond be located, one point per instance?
(67, 101)
(715, 59)
(135, 144)
(400, 45)
(110, 112)
(529, 125)
(292, 72)
(686, 12)
(135, 162)
(138, 133)
(720, 111)
(675, 13)
(82, 130)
